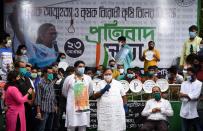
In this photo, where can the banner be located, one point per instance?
(83, 24)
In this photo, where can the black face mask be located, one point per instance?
(192, 78)
(112, 65)
(151, 48)
(55, 75)
(197, 66)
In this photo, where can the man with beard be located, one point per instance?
(151, 56)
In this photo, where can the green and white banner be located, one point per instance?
(85, 27)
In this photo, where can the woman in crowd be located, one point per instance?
(111, 104)
(21, 54)
(15, 114)
(61, 57)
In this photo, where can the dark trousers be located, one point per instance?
(200, 112)
(46, 122)
(155, 125)
(29, 117)
(188, 124)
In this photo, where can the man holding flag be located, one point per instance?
(124, 56)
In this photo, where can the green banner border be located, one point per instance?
(198, 13)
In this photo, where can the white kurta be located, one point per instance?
(189, 107)
(74, 118)
(110, 111)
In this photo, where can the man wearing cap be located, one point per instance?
(157, 110)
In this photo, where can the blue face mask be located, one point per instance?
(62, 59)
(50, 76)
(23, 71)
(98, 72)
(192, 34)
(81, 70)
(112, 67)
(130, 76)
(28, 74)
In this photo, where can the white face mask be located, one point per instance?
(107, 78)
(23, 52)
(201, 46)
(121, 71)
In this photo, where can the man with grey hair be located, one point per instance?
(157, 110)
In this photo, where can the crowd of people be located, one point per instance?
(55, 98)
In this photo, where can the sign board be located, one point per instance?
(87, 28)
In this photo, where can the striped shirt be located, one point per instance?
(45, 97)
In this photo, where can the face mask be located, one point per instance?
(190, 78)
(62, 59)
(107, 78)
(81, 70)
(23, 71)
(8, 44)
(112, 66)
(98, 72)
(150, 74)
(130, 75)
(201, 46)
(50, 76)
(23, 52)
(28, 74)
(34, 75)
(192, 34)
(121, 71)
(59, 76)
(39, 73)
(157, 96)
(169, 75)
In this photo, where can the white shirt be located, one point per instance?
(74, 118)
(163, 104)
(189, 107)
(110, 109)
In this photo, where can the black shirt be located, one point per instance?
(24, 85)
